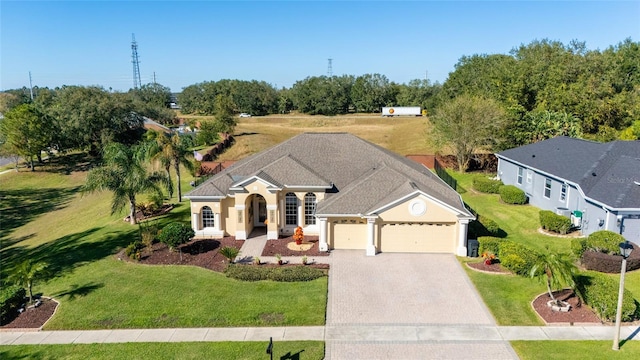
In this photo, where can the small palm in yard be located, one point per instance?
(27, 272)
(230, 253)
(558, 268)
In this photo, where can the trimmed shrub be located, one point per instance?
(554, 222)
(11, 298)
(600, 292)
(607, 263)
(281, 274)
(134, 250)
(605, 241)
(578, 246)
(295, 273)
(486, 185)
(484, 226)
(491, 226)
(512, 195)
(489, 244)
(175, 234)
(517, 257)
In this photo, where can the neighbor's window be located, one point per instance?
(529, 176)
(310, 209)
(290, 209)
(520, 172)
(563, 192)
(207, 217)
(547, 188)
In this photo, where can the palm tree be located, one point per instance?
(154, 150)
(173, 150)
(559, 269)
(27, 272)
(125, 174)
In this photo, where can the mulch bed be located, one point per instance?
(495, 267)
(33, 318)
(279, 246)
(199, 252)
(161, 211)
(577, 314)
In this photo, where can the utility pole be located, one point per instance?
(154, 77)
(30, 86)
(330, 68)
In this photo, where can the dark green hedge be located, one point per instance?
(578, 246)
(11, 297)
(600, 292)
(512, 195)
(175, 234)
(486, 185)
(554, 222)
(282, 273)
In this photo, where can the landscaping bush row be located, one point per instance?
(11, 298)
(486, 185)
(517, 257)
(282, 274)
(554, 222)
(600, 292)
(606, 263)
(604, 241)
(483, 226)
(489, 244)
(512, 195)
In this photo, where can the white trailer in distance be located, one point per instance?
(402, 111)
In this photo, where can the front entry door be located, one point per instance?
(260, 215)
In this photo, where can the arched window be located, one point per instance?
(291, 209)
(207, 217)
(310, 209)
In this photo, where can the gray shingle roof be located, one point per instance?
(365, 175)
(605, 172)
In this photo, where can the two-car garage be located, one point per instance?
(418, 237)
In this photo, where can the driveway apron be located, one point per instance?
(406, 306)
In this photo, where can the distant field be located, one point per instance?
(403, 135)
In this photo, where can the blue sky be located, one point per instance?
(187, 42)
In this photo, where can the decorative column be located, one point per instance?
(241, 230)
(323, 246)
(281, 223)
(195, 221)
(216, 221)
(300, 213)
(272, 224)
(371, 236)
(462, 237)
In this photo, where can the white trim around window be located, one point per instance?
(547, 188)
(563, 192)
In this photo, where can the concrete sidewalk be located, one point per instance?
(407, 334)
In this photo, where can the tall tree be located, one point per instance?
(26, 132)
(370, 92)
(558, 269)
(125, 174)
(465, 125)
(173, 150)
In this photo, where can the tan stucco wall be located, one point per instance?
(434, 212)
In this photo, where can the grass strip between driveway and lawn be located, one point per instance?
(183, 350)
(575, 350)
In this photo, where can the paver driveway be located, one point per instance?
(397, 306)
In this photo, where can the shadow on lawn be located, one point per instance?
(290, 356)
(18, 207)
(71, 251)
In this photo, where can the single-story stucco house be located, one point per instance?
(596, 184)
(349, 192)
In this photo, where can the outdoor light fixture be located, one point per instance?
(625, 251)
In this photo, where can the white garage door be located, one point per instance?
(418, 237)
(349, 234)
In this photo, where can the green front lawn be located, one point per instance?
(194, 350)
(578, 350)
(45, 218)
(509, 297)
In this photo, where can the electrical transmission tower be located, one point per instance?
(136, 64)
(330, 69)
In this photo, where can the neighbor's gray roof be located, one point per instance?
(605, 172)
(366, 176)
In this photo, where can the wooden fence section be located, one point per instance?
(431, 162)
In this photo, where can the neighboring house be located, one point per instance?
(596, 184)
(351, 193)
